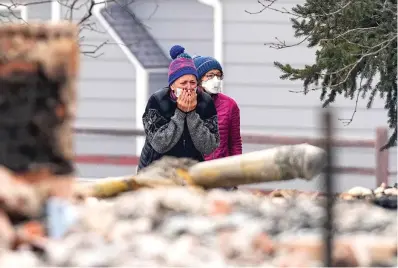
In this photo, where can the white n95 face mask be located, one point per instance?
(212, 86)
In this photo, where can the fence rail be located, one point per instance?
(381, 170)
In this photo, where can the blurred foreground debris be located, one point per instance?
(38, 69)
(39, 64)
(180, 226)
(384, 196)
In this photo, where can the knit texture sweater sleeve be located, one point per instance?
(204, 131)
(235, 140)
(161, 133)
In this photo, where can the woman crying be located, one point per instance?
(180, 120)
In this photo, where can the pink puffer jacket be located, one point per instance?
(229, 127)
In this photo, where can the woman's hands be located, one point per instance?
(187, 101)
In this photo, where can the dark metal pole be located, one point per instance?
(328, 186)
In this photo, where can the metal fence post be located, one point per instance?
(328, 187)
(381, 156)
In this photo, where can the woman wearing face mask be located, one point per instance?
(179, 120)
(210, 76)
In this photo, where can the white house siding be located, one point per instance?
(158, 80)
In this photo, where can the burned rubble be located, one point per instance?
(180, 226)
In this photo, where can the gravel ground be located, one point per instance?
(180, 227)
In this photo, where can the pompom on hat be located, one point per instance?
(181, 64)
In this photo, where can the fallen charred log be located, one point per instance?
(280, 163)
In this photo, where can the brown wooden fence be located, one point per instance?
(381, 170)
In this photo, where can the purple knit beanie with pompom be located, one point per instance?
(181, 64)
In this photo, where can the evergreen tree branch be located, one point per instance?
(346, 122)
(282, 44)
(348, 32)
(265, 6)
(354, 39)
(351, 66)
(293, 12)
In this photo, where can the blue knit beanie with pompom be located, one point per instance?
(181, 64)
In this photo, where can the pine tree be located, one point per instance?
(356, 55)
